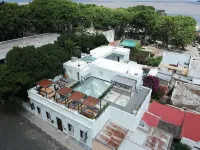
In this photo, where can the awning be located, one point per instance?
(45, 83)
(90, 101)
(64, 91)
(124, 80)
(77, 96)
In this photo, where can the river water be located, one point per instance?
(172, 7)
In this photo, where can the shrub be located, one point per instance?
(179, 146)
(154, 61)
(151, 82)
(157, 95)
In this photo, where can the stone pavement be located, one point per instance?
(53, 132)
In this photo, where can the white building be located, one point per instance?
(194, 70)
(175, 62)
(80, 69)
(109, 34)
(107, 89)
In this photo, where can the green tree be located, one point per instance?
(152, 61)
(179, 146)
(73, 49)
(144, 21)
(184, 32)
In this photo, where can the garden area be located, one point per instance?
(140, 56)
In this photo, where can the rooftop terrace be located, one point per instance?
(126, 103)
(103, 51)
(122, 68)
(68, 98)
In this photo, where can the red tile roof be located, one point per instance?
(90, 101)
(167, 113)
(77, 96)
(150, 119)
(191, 129)
(45, 83)
(64, 91)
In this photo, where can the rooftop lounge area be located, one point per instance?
(87, 106)
(126, 103)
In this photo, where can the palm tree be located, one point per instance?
(73, 49)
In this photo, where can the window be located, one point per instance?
(32, 106)
(39, 110)
(83, 135)
(70, 128)
(101, 73)
(48, 115)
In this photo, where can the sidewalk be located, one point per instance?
(53, 132)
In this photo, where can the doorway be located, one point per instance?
(78, 76)
(59, 124)
(118, 59)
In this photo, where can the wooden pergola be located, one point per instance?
(75, 98)
(64, 93)
(90, 102)
(43, 87)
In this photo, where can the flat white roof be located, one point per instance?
(77, 64)
(103, 51)
(120, 67)
(37, 41)
(194, 67)
(176, 58)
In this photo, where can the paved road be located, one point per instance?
(17, 133)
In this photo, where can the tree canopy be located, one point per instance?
(42, 16)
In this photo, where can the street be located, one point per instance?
(17, 133)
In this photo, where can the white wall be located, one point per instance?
(72, 72)
(190, 143)
(124, 119)
(100, 122)
(107, 74)
(145, 105)
(78, 121)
